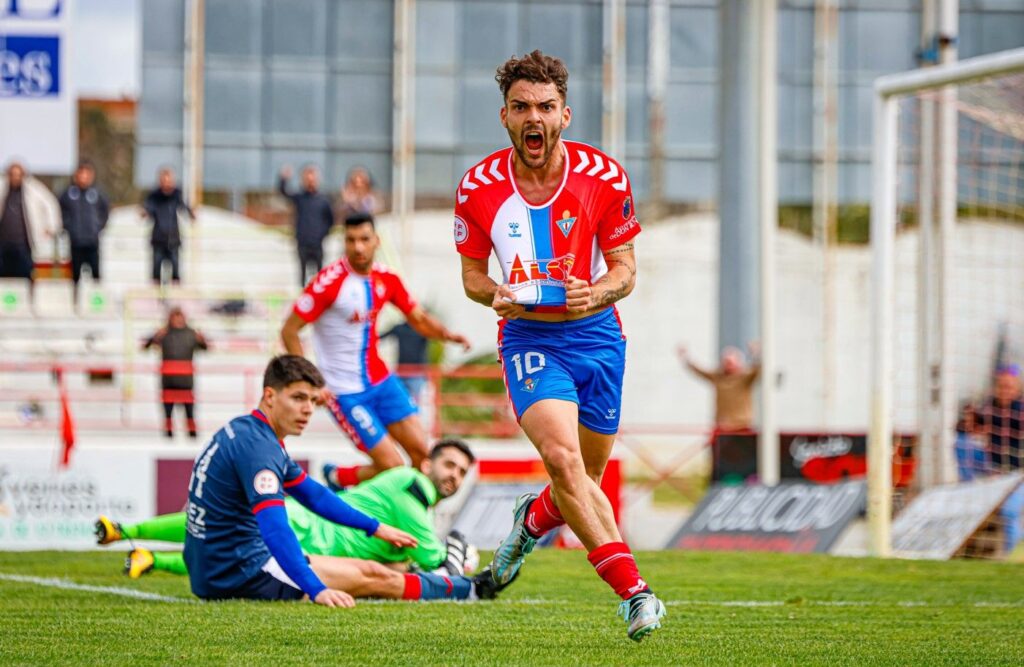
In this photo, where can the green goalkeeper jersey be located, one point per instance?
(401, 497)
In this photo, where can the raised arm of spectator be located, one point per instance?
(282, 183)
(155, 339)
(684, 357)
(754, 350)
(201, 342)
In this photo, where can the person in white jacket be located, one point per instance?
(27, 215)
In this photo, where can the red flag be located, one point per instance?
(67, 425)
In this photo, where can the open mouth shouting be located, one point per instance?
(533, 140)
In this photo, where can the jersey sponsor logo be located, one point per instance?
(554, 271)
(513, 230)
(359, 317)
(461, 231)
(566, 223)
(623, 228)
(305, 303)
(266, 482)
(627, 207)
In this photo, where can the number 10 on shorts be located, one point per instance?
(532, 361)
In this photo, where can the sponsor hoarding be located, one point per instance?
(45, 508)
(38, 109)
(939, 523)
(790, 517)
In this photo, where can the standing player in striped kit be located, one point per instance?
(559, 217)
(368, 402)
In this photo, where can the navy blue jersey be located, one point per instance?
(243, 470)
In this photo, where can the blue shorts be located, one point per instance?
(582, 361)
(263, 586)
(365, 415)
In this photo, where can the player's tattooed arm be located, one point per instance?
(620, 279)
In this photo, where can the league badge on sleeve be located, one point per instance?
(305, 303)
(266, 482)
(461, 231)
(627, 208)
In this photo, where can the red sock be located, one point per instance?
(615, 564)
(347, 476)
(413, 587)
(542, 515)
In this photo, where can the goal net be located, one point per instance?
(948, 304)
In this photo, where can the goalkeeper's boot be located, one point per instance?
(330, 478)
(107, 531)
(138, 562)
(486, 587)
(643, 612)
(509, 555)
(455, 562)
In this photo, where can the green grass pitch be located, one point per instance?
(722, 609)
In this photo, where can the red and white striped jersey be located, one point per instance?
(540, 246)
(343, 306)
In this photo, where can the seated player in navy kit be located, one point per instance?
(238, 542)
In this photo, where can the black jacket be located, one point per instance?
(313, 215)
(177, 345)
(85, 214)
(163, 209)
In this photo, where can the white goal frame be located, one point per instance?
(884, 204)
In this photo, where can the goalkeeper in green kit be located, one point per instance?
(400, 497)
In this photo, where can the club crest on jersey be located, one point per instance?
(555, 271)
(461, 231)
(627, 208)
(513, 230)
(529, 384)
(566, 223)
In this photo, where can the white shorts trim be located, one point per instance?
(273, 568)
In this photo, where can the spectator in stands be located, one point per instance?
(971, 454)
(733, 382)
(24, 225)
(162, 206)
(412, 351)
(84, 210)
(313, 219)
(1001, 419)
(178, 343)
(358, 195)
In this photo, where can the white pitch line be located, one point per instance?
(109, 590)
(803, 603)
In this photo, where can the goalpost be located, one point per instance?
(947, 244)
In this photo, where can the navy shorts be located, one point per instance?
(365, 415)
(582, 361)
(264, 586)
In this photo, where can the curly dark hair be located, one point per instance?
(534, 67)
